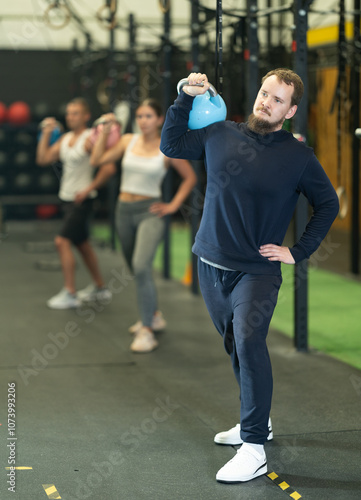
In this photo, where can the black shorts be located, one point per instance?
(76, 222)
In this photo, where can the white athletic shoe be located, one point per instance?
(158, 323)
(247, 464)
(233, 436)
(144, 341)
(64, 300)
(92, 293)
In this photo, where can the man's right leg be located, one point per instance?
(254, 299)
(67, 259)
(66, 298)
(216, 286)
(217, 300)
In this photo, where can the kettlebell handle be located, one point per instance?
(102, 121)
(184, 82)
(43, 122)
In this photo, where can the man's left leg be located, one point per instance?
(97, 291)
(91, 261)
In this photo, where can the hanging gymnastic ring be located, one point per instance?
(102, 21)
(103, 93)
(103, 121)
(164, 5)
(67, 17)
(343, 201)
(184, 82)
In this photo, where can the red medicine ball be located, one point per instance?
(3, 113)
(46, 211)
(19, 113)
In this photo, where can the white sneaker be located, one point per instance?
(134, 328)
(158, 323)
(247, 464)
(144, 341)
(233, 436)
(64, 300)
(92, 293)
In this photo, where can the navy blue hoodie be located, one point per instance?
(253, 184)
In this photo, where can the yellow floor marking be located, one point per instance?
(284, 485)
(51, 491)
(19, 468)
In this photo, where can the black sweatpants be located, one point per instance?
(241, 306)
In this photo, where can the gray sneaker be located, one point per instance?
(64, 300)
(92, 293)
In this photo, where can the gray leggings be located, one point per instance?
(140, 233)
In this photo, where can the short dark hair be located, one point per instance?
(154, 104)
(290, 78)
(82, 102)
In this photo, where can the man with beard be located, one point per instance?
(255, 173)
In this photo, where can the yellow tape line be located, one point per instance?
(19, 468)
(284, 486)
(51, 491)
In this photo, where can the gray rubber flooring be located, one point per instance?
(94, 421)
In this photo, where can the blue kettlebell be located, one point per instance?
(207, 108)
(56, 133)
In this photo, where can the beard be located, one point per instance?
(261, 126)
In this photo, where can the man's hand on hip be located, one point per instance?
(277, 253)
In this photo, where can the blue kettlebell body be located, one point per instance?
(206, 110)
(56, 133)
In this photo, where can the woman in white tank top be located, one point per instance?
(140, 210)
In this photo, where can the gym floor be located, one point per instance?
(94, 421)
